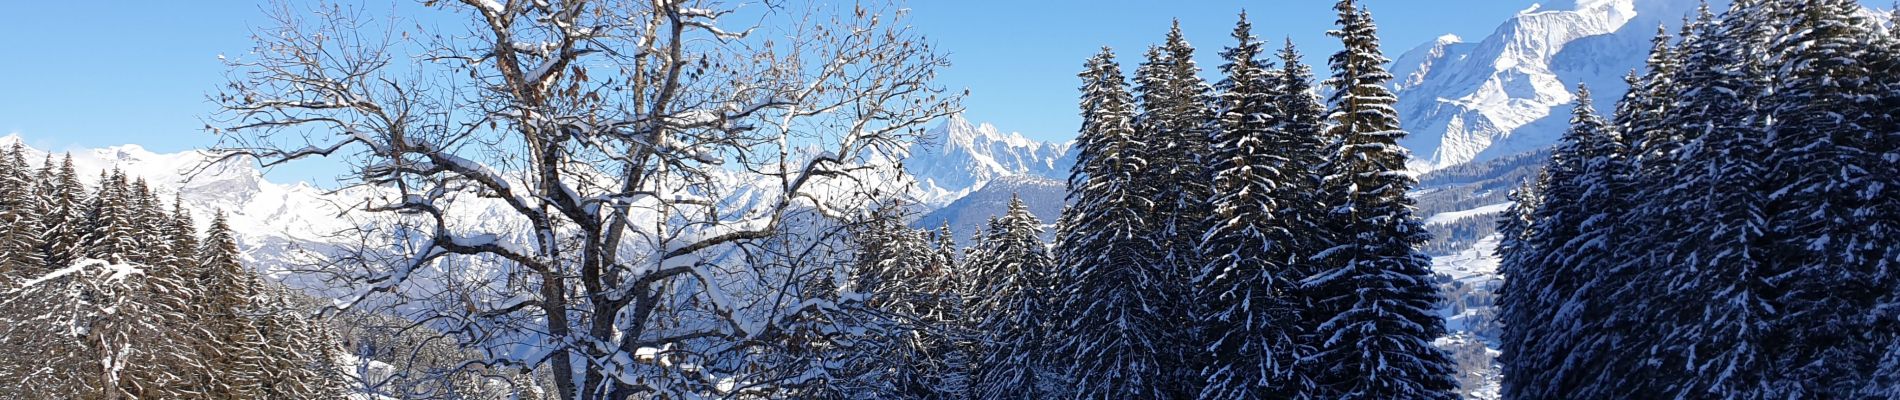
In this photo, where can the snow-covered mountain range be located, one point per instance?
(1511, 92)
(957, 158)
(1462, 101)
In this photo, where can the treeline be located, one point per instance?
(1236, 240)
(1730, 232)
(108, 292)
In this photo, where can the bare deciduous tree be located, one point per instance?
(597, 160)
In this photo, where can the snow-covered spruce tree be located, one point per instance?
(1659, 133)
(1011, 307)
(1374, 290)
(1886, 195)
(233, 347)
(1830, 259)
(65, 213)
(1303, 211)
(951, 292)
(945, 339)
(873, 351)
(911, 351)
(20, 224)
(1640, 113)
(1303, 119)
(1585, 195)
(184, 235)
(1644, 119)
(605, 141)
(1111, 301)
(1522, 309)
(1516, 311)
(298, 358)
(109, 230)
(1720, 266)
(166, 364)
(1176, 120)
(1251, 323)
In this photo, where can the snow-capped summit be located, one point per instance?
(1511, 91)
(958, 157)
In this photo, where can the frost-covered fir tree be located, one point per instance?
(1011, 287)
(1886, 380)
(1827, 123)
(1175, 119)
(909, 350)
(1516, 310)
(20, 224)
(1109, 284)
(1640, 113)
(1559, 287)
(1374, 289)
(299, 356)
(65, 212)
(1721, 265)
(111, 234)
(1303, 211)
(227, 291)
(1251, 323)
(1644, 119)
(1522, 308)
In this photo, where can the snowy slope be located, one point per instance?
(1511, 92)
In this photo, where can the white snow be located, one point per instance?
(1476, 264)
(1453, 216)
(958, 157)
(1511, 91)
(116, 272)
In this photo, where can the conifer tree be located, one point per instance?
(1576, 225)
(1721, 215)
(1012, 308)
(1640, 113)
(110, 232)
(1176, 121)
(1375, 292)
(20, 225)
(1645, 118)
(65, 217)
(1111, 304)
(1252, 322)
(912, 349)
(1827, 122)
(1303, 211)
(298, 358)
(227, 290)
(1523, 307)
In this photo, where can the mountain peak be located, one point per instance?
(958, 156)
(1509, 92)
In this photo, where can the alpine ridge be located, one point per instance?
(1510, 92)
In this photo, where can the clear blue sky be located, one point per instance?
(90, 74)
